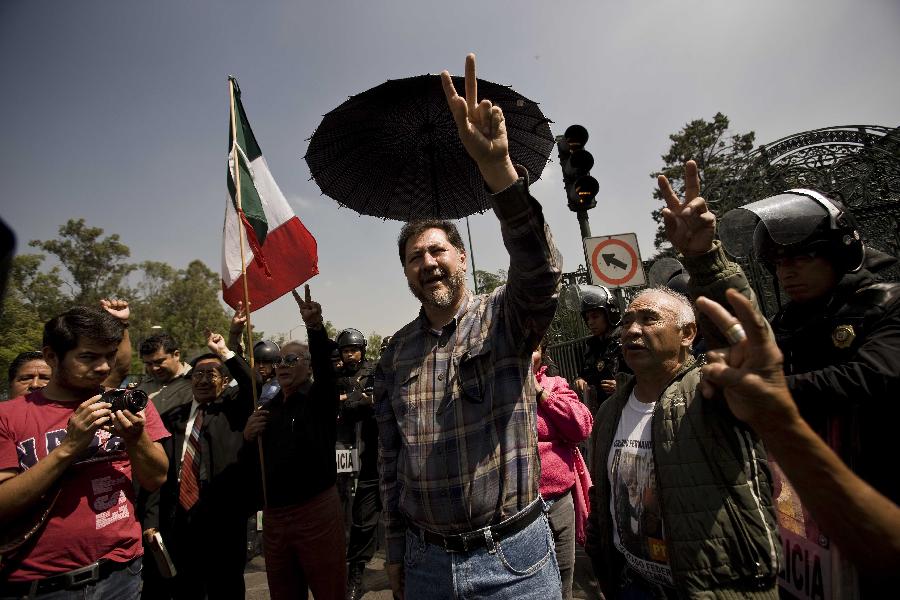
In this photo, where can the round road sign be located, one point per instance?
(630, 268)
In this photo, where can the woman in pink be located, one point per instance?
(563, 423)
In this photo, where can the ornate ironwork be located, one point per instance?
(857, 164)
(577, 277)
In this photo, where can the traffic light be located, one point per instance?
(576, 163)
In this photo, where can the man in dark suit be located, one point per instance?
(203, 507)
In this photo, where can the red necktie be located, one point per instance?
(189, 491)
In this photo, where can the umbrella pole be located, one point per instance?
(237, 187)
(472, 253)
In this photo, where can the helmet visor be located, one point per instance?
(787, 218)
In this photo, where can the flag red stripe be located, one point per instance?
(292, 258)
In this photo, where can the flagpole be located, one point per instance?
(237, 187)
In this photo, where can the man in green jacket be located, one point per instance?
(681, 504)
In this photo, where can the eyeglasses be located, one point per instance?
(207, 375)
(288, 360)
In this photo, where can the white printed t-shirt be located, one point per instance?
(634, 504)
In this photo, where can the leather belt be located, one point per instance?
(92, 573)
(473, 540)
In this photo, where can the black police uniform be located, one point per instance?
(842, 361)
(602, 359)
(359, 408)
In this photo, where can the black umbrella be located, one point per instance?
(394, 151)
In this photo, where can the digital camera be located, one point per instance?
(131, 400)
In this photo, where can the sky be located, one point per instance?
(117, 112)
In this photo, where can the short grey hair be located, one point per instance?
(684, 310)
(303, 346)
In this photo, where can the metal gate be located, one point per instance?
(856, 164)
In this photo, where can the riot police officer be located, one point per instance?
(600, 363)
(840, 329)
(357, 411)
(265, 354)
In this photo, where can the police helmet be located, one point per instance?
(795, 221)
(597, 297)
(679, 283)
(351, 337)
(265, 351)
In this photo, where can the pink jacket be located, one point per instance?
(563, 422)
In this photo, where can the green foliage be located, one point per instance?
(488, 282)
(721, 157)
(21, 330)
(32, 298)
(373, 347)
(96, 267)
(182, 302)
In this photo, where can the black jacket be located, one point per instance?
(360, 408)
(222, 479)
(298, 442)
(842, 359)
(602, 359)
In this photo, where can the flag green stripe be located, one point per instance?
(250, 200)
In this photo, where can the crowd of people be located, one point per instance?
(486, 466)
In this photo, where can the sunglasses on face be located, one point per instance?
(288, 360)
(207, 375)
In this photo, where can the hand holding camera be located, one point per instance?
(126, 413)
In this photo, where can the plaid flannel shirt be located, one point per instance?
(456, 408)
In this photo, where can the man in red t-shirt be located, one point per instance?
(65, 437)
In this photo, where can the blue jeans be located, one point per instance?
(522, 566)
(124, 584)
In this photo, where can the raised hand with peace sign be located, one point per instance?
(482, 130)
(690, 226)
(310, 311)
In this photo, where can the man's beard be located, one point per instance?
(441, 296)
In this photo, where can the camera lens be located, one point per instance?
(130, 400)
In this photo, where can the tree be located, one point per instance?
(721, 157)
(96, 267)
(373, 347)
(32, 298)
(182, 302)
(488, 282)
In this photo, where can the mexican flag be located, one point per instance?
(279, 252)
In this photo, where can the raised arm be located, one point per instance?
(311, 313)
(122, 367)
(535, 264)
(862, 522)
(691, 228)
(236, 330)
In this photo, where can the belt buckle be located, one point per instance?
(82, 576)
(465, 539)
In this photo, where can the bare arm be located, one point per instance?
(862, 522)
(149, 463)
(20, 490)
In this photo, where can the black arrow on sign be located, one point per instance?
(611, 260)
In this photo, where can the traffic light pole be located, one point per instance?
(585, 227)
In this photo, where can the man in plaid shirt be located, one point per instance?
(456, 401)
